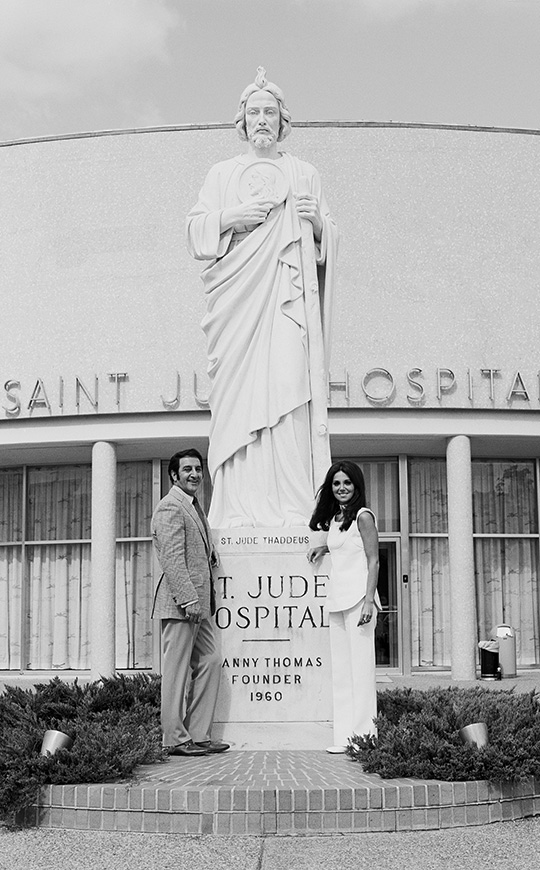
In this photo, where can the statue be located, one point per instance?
(263, 225)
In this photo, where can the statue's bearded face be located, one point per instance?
(262, 119)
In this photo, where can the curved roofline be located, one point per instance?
(173, 128)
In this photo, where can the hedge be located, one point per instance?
(418, 735)
(114, 724)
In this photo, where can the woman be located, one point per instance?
(353, 600)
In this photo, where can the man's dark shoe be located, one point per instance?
(189, 748)
(212, 746)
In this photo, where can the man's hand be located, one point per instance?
(253, 212)
(307, 208)
(193, 612)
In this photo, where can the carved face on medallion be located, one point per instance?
(263, 179)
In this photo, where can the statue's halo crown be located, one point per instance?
(261, 83)
(260, 78)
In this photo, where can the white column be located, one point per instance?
(102, 606)
(461, 553)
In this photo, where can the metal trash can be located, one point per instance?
(489, 665)
(506, 638)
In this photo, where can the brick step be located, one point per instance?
(277, 792)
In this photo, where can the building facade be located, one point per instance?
(434, 380)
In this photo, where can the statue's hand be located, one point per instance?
(307, 207)
(249, 213)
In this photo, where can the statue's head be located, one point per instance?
(261, 84)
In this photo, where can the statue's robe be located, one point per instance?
(260, 456)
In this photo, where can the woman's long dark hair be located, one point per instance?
(327, 506)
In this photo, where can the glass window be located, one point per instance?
(387, 631)
(504, 498)
(382, 492)
(506, 556)
(430, 602)
(11, 514)
(429, 499)
(133, 499)
(134, 565)
(57, 567)
(429, 565)
(58, 590)
(134, 597)
(10, 606)
(59, 503)
(507, 592)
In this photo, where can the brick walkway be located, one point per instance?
(277, 792)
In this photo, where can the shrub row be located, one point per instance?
(115, 727)
(418, 735)
(114, 724)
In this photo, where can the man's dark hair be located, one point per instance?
(174, 461)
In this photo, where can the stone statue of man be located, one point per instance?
(263, 226)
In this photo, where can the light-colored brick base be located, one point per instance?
(282, 793)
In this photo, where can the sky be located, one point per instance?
(74, 66)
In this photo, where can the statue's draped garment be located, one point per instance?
(260, 456)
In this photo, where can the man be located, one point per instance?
(184, 604)
(263, 321)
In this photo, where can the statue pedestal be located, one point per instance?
(272, 626)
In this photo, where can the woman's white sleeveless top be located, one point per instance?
(348, 580)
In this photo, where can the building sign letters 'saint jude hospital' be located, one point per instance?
(416, 388)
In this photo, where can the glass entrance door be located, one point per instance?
(387, 648)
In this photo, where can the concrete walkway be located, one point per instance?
(506, 846)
